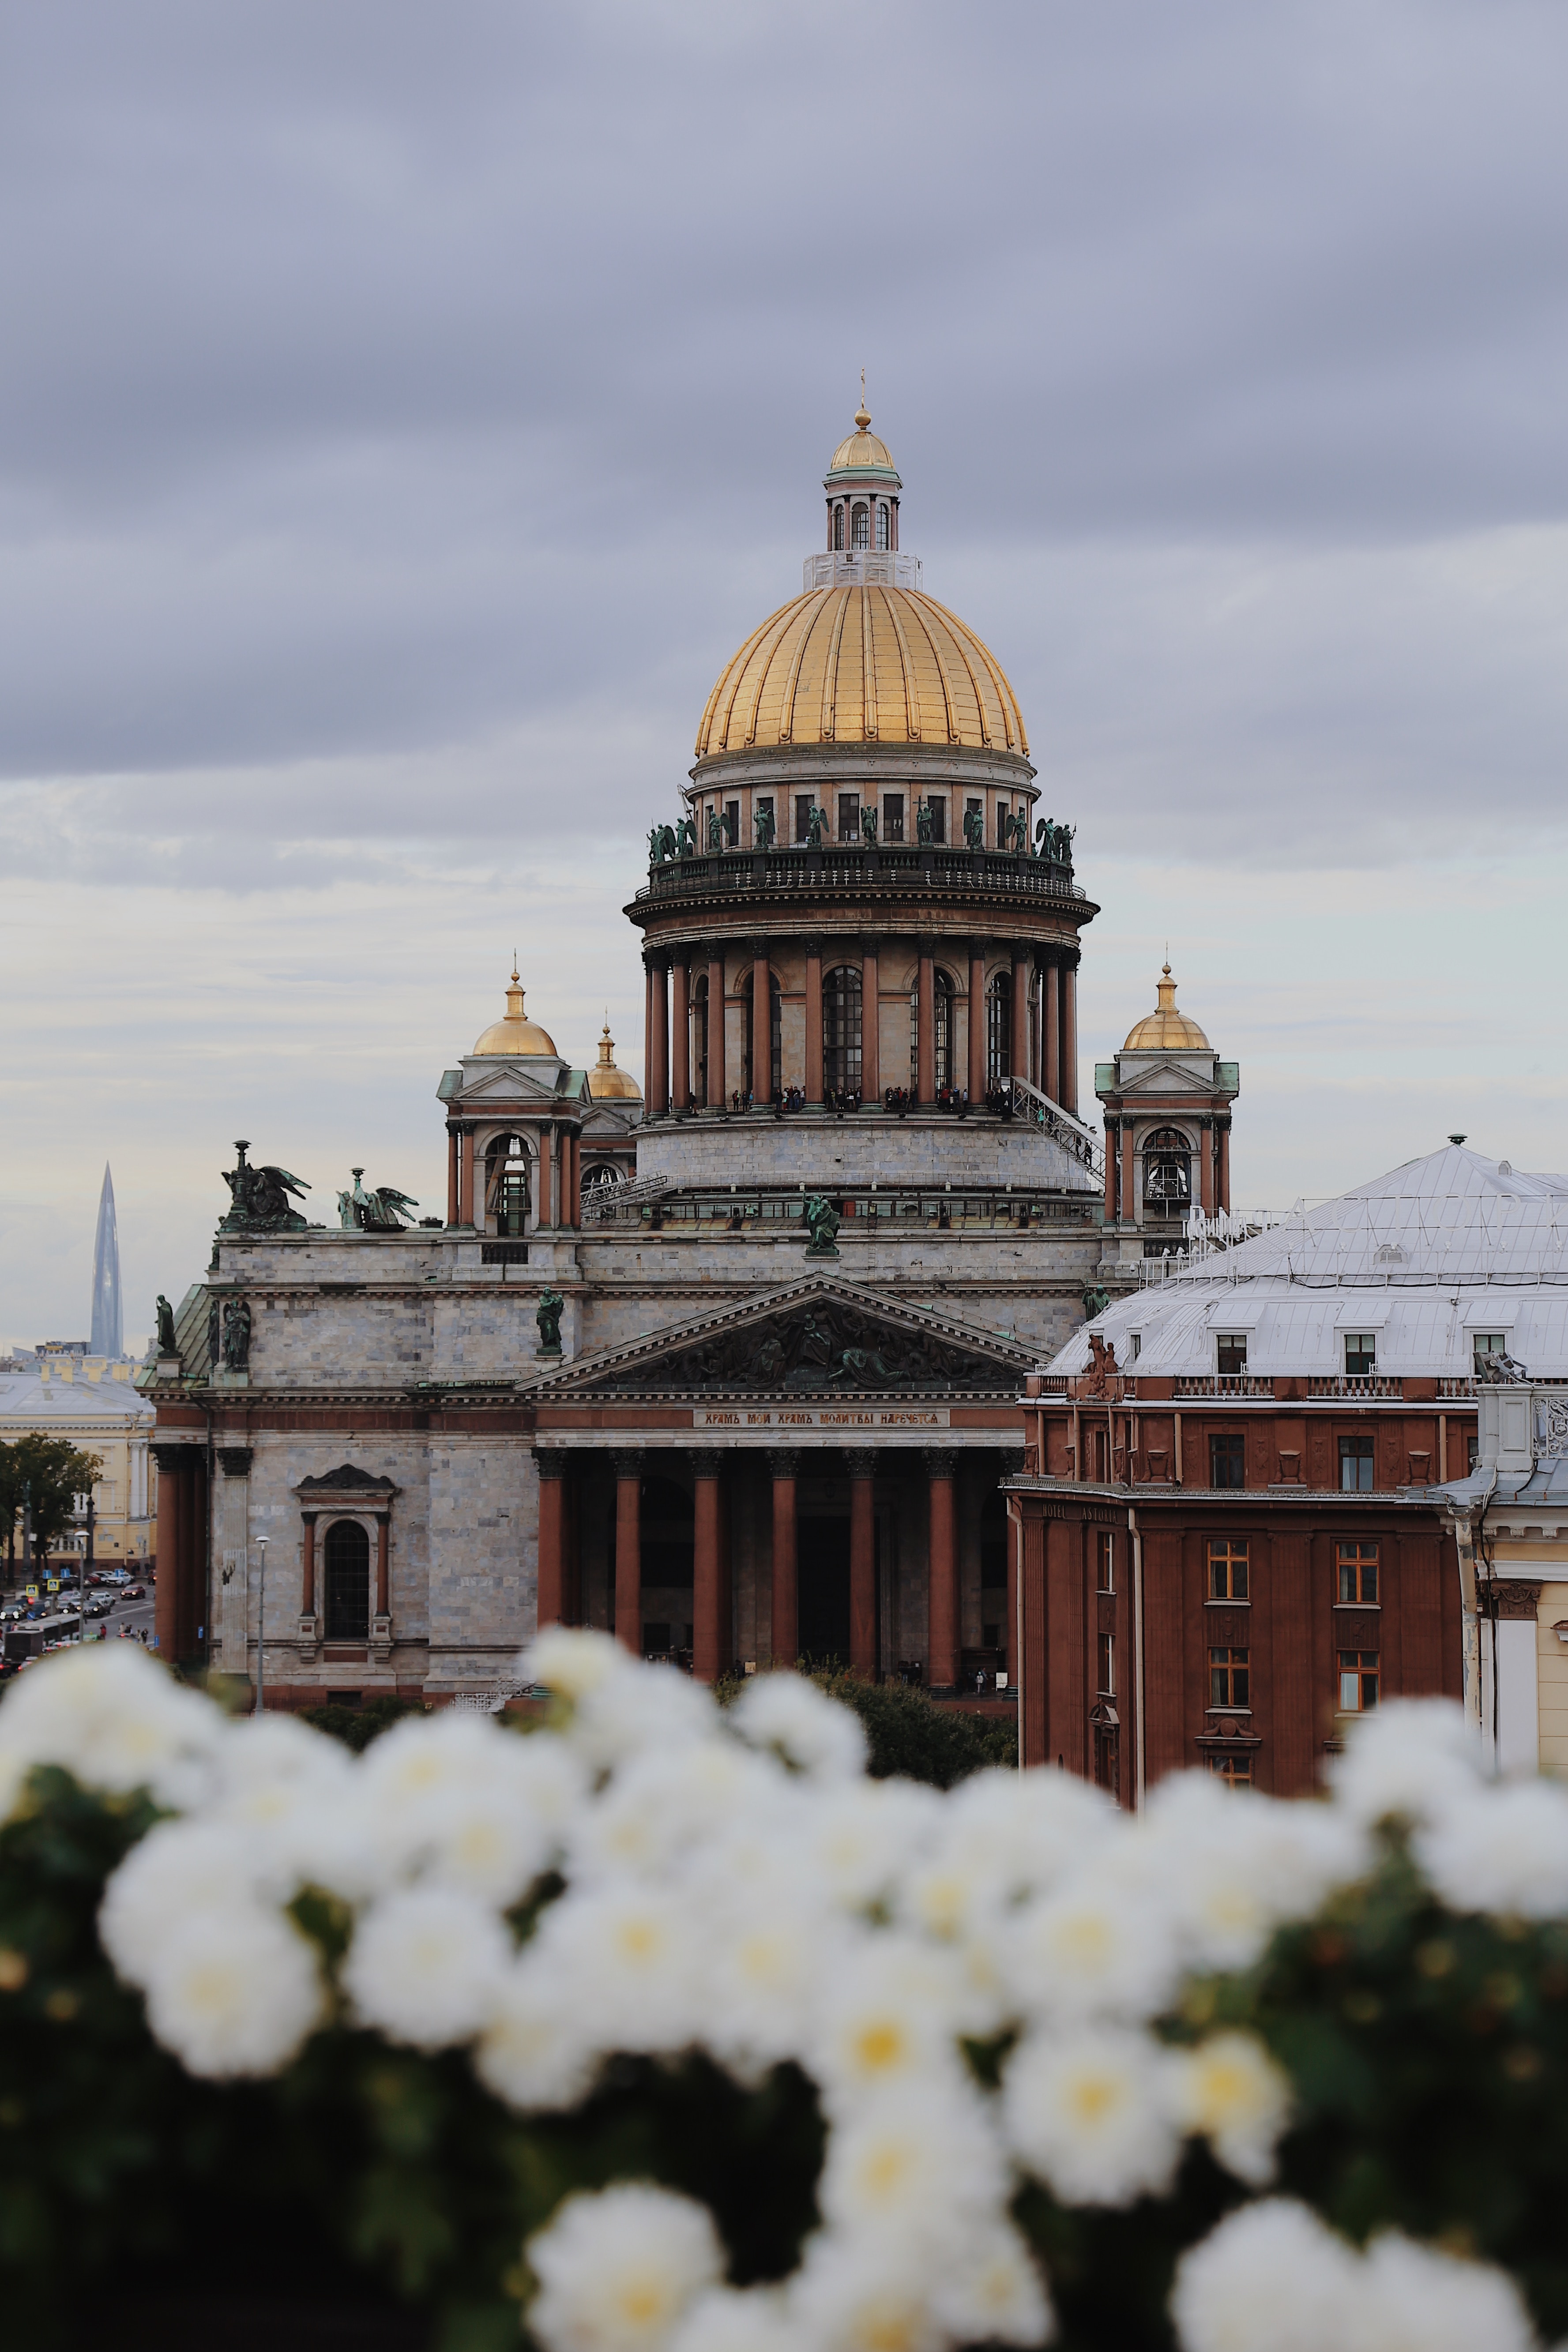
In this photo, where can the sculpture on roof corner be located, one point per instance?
(822, 1222)
(377, 1212)
(166, 1345)
(1095, 1299)
(1103, 1367)
(258, 1198)
(1499, 1370)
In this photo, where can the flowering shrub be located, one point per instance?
(672, 2026)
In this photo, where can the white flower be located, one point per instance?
(1028, 1830)
(618, 2271)
(1229, 2089)
(641, 1708)
(1227, 1867)
(853, 2296)
(426, 1964)
(1273, 2278)
(888, 2016)
(1502, 1849)
(1270, 2278)
(661, 1810)
(233, 1990)
(1411, 1759)
(992, 2293)
(856, 1839)
(181, 1871)
(1092, 1948)
(815, 1734)
(572, 1660)
(1411, 2298)
(632, 1954)
(919, 2164)
(116, 1719)
(727, 2320)
(765, 1958)
(537, 2049)
(1090, 2113)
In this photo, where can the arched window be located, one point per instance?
(999, 1030)
(775, 1079)
(841, 1029)
(884, 527)
(861, 532)
(509, 1191)
(943, 990)
(699, 1039)
(838, 527)
(1167, 1172)
(601, 1171)
(347, 1564)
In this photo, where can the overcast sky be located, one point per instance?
(404, 410)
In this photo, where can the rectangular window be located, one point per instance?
(1105, 1547)
(732, 823)
(1236, 1771)
(893, 816)
(848, 816)
(1231, 1347)
(1358, 1572)
(1227, 1461)
(1487, 1343)
(1361, 1352)
(803, 806)
(1356, 1466)
(1137, 1347)
(1472, 1453)
(1358, 1681)
(1230, 1683)
(1229, 1572)
(939, 819)
(1108, 1665)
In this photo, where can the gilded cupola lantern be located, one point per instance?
(1167, 1099)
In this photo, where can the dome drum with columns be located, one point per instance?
(862, 852)
(1166, 1098)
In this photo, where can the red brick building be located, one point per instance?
(1230, 1537)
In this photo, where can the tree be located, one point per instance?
(50, 1472)
(10, 1500)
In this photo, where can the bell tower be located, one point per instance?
(1167, 1098)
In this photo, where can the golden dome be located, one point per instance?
(513, 1034)
(863, 448)
(862, 665)
(606, 1084)
(1166, 1026)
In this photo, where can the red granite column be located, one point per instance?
(658, 1014)
(628, 1551)
(307, 1563)
(466, 1176)
(453, 1156)
(1206, 1165)
(170, 1460)
(925, 1038)
(1112, 1146)
(705, 1567)
(680, 1035)
(786, 1642)
(942, 1586)
(1069, 1096)
(862, 1565)
(716, 1030)
(1019, 1054)
(1225, 1166)
(813, 1020)
(761, 1025)
(551, 1559)
(1051, 1021)
(977, 1020)
(544, 1212)
(646, 1033)
(1129, 1176)
(383, 1565)
(870, 1022)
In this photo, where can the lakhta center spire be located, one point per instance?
(106, 1317)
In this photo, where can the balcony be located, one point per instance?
(856, 869)
(1355, 1384)
(861, 567)
(1224, 1384)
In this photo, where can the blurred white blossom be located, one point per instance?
(618, 2271)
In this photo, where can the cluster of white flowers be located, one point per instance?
(731, 1881)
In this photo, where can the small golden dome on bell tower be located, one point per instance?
(606, 1083)
(514, 1034)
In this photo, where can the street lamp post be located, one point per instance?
(261, 1544)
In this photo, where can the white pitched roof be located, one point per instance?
(1424, 1257)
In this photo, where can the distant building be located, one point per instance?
(105, 1317)
(1167, 1098)
(1235, 1537)
(93, 1403)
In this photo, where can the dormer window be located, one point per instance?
(1230, 1352)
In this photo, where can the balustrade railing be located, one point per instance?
(1224, 1384)
(859, 865)
(1355, 1384)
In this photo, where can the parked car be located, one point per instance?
(135, 1592)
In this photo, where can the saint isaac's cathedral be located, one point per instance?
(732, 1365)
